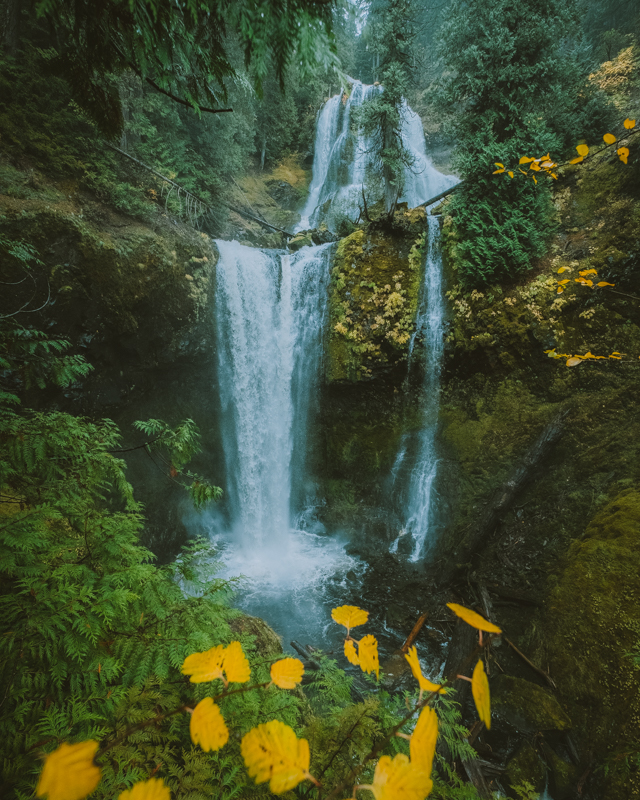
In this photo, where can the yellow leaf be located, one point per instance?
(525, 160)
(522, 171)
(616, 356)
(350, 652)
(577, 160)
(204, 667)
(604, 283)
(552, 352)
(287, 673)
(422, 744)
(623, 154)
(510, 174)
(588, 355)
(583, 150)
(564, 269)
(498, 164)
(574, 361)
(535, 180)
(153, 789)
(235, 664)
(368, 654)
(584, 272)
(207, 726)
(560, 289)
(473, 619)
(498, 171)
(547, 165)
(554, 176)
(69, 772)
(480, 692)
(535, 167)
(564, 281)
(629, 123)
(273, 753)
(425, 683)
(399, 778)
(609, 138)
(349, 616)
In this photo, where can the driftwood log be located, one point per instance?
(480, 534)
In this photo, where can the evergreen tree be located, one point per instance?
(513, 84)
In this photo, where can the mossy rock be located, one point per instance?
(266, 640)
(299, 241)
(375, 286)
(526, 766)
(591, 625)
(527, 706)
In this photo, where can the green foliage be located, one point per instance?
(185, 50)
(514, 89)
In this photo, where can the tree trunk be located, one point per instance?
(10, 17)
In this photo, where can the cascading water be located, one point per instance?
(420, 508)
(270, 317)
(344, 162)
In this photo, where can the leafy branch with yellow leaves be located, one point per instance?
(271, 751)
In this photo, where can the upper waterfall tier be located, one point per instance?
(344, 163)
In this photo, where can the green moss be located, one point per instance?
(527, 705)
(591, 624)
(375, 285)
(526, 766)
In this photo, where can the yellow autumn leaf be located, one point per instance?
(623, 154)
(585, 272)
(351, 652)
(525, 160)
(573, 361)
(564, 281)
(480, 692)
(69, 772)
(604, 283)
(560, 289)
(522, 171)
(535, 180)
(609, 138)
(577, 160)
(272, 752)
(616, 356)
(582, 150)
(473, 619)
(368, 654)
(422, 745)
(498, 171)
(554, 176)
(153, 789)
(349, 616)
(510, 174)
(534, 166)
(399, 778)
(235, 664)
(629, 123)
(425, 683)
(207, 726)
(204, 667)
(551, 353)
(564, 269)
(498, 164)
(287, 673)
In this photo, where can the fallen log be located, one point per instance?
(502, 500)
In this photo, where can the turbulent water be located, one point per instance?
(344, 163)
(419, 507)
(270, 316)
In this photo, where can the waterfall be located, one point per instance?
(270, 311)
(420, 508)
(270, 318)
(343, 163)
